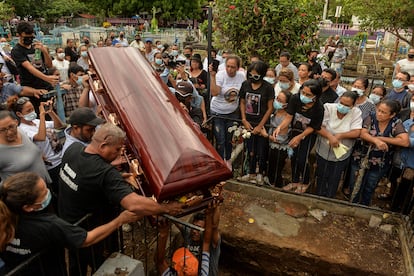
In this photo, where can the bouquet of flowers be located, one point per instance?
(239, 134)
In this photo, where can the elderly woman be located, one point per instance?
(22, 197)
(18, 153)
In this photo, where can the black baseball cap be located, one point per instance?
(85, 116)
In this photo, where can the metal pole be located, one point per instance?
(209, 46)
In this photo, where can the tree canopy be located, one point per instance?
(266, 27)
(394, 16)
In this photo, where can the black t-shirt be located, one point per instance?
(88, 184)
(36, 232)
(21, 54)
(303, 118)
(316, 69)
(329, 96)
(72, 53)
(256, 100)
(200, 79)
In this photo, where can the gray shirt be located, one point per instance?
(26, 157)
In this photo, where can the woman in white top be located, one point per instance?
(224, 87)
(61, 64)
(341, 125)
(41, 132)
(286, 82)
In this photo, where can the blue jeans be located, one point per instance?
(369, 183)
(222, 135)
(328, 175)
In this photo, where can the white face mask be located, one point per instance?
(269, 80)
(360, 92)
(61, 55)
(410, 87)
(412, 106)
(31, 116)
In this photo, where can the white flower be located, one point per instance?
(244, 135)
(237, 133)
(232, 128)
(248, 134)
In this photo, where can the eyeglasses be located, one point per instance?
(22, 100)
(11, 127)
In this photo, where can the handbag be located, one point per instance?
(11, 65)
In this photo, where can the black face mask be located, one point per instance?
(86, 41)
(313, 59)
(112, 37)
(121, 36)
(28, 40)
(324, 82)
(411, 56)
(187, 55)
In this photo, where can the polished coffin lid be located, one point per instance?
(175, 156)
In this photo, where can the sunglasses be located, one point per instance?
(22, 100)
(255, 77)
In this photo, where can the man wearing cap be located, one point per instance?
(83, 123)
(149, 50)
(184, 93)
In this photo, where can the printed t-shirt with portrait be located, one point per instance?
(256, 100)
(302, 118)
(226, 101)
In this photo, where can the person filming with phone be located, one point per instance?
(41, 132)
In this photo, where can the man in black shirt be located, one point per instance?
(316, 67)
(328, 94)
(32, 61)
(70, 51)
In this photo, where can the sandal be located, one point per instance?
(302, 188)
(290, 186)
(384, 196)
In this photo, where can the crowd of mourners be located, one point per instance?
(59, 159)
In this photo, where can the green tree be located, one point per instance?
(6, 11)
(394, 16)
(266, 27)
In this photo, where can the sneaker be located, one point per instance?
(259, 179)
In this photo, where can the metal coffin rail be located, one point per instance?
(175, 156)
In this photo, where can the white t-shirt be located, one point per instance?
(406, 66)
(227, 100)
(295, 89)
(63, 67)
(46, 146)
(352, 120)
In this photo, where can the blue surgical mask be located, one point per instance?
(397, 83)
(174, 53)
(343, 109)
(79, 80)
(277, 105)
(31, 116)
(84, 54)
(158, 61)
(284, 85)
(45, 202)
(375, 98)
(269, 80)
(305, 99)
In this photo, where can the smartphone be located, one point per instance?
(215, 63)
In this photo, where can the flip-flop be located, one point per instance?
(290, 186)
(302, 188)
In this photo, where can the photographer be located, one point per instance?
(41, 132)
